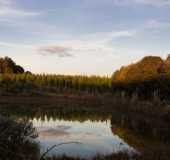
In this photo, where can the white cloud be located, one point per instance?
(153, 23)
(110, 3)
(14, 45)
(5, 2)
(16, 12)
(104, 37)
(9, 9)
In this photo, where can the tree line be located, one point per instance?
(92, 84)
(145, 79)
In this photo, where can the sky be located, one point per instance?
(87, 37)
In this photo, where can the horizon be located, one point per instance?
(91, 75)
(86, 37)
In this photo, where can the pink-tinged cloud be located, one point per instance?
(58, 50)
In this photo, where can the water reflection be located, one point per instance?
(150, 137)
(95, 137)
(98, 131)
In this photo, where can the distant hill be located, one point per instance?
(150, 67)
(8, 66)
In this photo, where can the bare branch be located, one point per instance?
(55, 146)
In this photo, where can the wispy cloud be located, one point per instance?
(9, 9)
(129, 3)
(91, 44)
(5, 2)
(153, 23)
(15, 45)
(156, 3)
(16, 12)
(153, 2)
(58, 50)
(104, 37)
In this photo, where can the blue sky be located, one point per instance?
(83, 36)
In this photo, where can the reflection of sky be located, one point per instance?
(95, 137)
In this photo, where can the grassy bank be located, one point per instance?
(101, 102)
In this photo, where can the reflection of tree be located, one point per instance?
(130, 130)
(148, 148)
(63, 113)
(146, 125)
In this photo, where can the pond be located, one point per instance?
(89, 138)
(93, 132)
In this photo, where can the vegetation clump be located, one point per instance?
(148, 68)
(16, 140)
(8, 66)
(147, 78)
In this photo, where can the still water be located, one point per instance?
(96, 131)
(93, 137)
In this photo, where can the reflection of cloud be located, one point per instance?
(53, 133)
(59, 50)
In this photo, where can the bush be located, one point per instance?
(16, 140)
